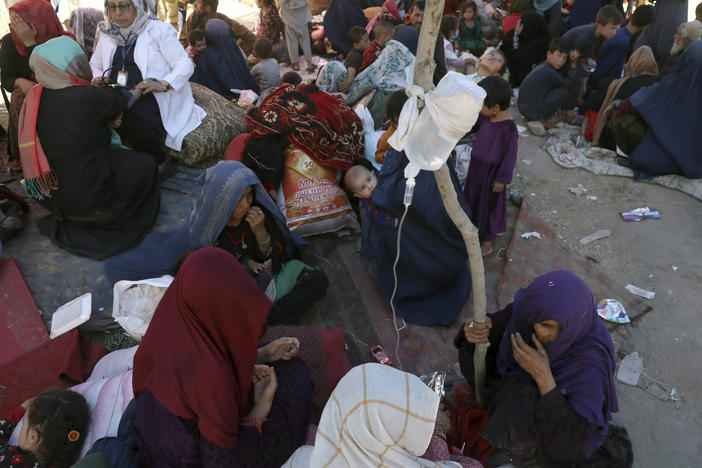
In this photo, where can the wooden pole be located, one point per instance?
(423, 76)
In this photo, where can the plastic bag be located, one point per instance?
(134, 303)
(370, 135)
(313, 203)
(435, 381)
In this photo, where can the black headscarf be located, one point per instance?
(528, 49)
(534, 26)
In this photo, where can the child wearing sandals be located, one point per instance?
(52, 434)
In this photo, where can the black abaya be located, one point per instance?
(107, 199)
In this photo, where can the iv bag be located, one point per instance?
(450, 111)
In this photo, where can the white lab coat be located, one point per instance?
(160, 55)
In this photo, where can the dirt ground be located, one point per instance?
(658, 255)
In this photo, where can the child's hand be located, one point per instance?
(497, 187)
(574, 56)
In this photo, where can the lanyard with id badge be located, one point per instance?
(123, 73)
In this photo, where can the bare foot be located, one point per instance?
(486, 248)
(295, 66)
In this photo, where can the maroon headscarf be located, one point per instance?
(41, 15)
(581, 357)
(198, 353)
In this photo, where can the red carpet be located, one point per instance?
(30, 362)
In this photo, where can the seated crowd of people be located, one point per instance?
(207, 388)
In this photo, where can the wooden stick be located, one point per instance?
(477, 270)
(423, 76)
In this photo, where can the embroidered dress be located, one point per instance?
(11, 456)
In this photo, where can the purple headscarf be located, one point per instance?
(581, 357)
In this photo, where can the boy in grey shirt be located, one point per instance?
(548, 88)
(265, 72)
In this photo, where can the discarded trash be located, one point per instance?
(134, 303)
(554, 211)
(591, 197)
(532, 194)
(657, 391)
(630, 369)
(675, 268)
(640, 292)
(246, 97)
(640, 213)
(435, 381)
(651, 275)
(379, 354)
(527, 162)
(577, 190)
(537, 128)
(674, 395)
(599, 234)
(515, 197)
(528, 235)
(613, 311)
(70, 315)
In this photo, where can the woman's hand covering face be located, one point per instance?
(534, 361)
(255, 217)
(26, 32)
